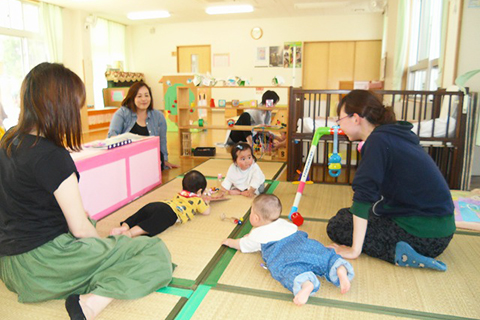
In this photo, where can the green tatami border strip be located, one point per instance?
(468, 233)
(182, 283)
(192, 304)
(227, 256)
(218, 259)
(309, 219)
(186, 293)
(341, 304)
(280, 171)
(215, 178)
(176, 310)
(215, 268)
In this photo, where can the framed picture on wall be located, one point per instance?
(275, 57)
(292, 55)
(261, 57)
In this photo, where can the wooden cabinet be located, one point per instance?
(200, 115)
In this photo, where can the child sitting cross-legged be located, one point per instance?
(291, 257)
(156, 217)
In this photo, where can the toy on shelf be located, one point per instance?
(223, 216)
(212, 103)
(321, 131)
(222, 103)
(235, 103)
(204, 80)
(186, 144)
(263, 146)
(278, 81)
(230, 122)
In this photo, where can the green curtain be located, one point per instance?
(401, 43)
(51, 17)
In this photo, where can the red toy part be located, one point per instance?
(297, 218)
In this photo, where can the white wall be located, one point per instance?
(469, 60)
(451, 53)
(389, 42)
(152, 52)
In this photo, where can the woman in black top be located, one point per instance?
(48, 247)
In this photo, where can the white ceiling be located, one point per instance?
(194, 10)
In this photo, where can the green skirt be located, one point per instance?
(117, 267)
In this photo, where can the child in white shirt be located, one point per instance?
(244, 175)
(291, 257)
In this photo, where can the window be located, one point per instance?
(424, 51)
(108, 50)
(21, 48)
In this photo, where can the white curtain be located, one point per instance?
(401, 44)
(108, 49)
(443, 41)
(52, 23)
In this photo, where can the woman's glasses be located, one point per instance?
(347, 116)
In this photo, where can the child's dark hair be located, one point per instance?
(193, 181)
(240, 147)
(367, 105)
(270, 95)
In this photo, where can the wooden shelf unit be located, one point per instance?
(188, 115)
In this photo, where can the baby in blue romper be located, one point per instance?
(290, 256)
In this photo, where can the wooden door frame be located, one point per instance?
(194, 46)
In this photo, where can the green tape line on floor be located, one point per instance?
(176, 291)
(192, 304)
(272, 187)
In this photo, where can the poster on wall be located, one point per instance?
(221, 60)
(292, 54)
(261, 57)
(474, 4)
(275, 56)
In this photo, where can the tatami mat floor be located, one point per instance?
(214, 282)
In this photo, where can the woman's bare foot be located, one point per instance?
(92, 305)
(343, 277)
(127, 233)
(302, 296)
(119, 230)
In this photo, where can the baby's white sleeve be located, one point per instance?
(227, 182)
(258, 178)
(248, 245)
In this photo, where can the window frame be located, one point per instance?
(25, 38)
(422, 29)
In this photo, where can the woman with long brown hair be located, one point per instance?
(138, 116)
(49, 249)
(402, 209)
